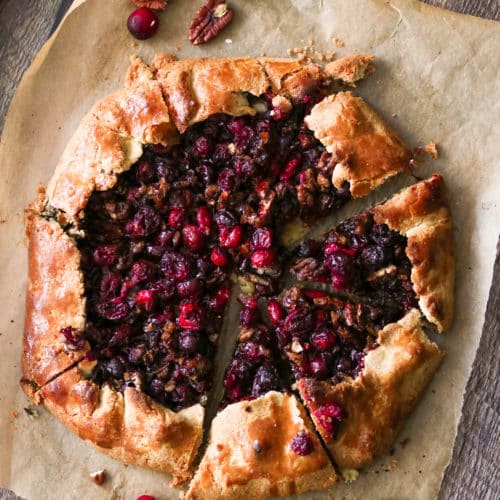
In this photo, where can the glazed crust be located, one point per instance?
(366, 150)
(378, 401)
(421, 213)
(130, 427)
(231, 468)
(54, 300)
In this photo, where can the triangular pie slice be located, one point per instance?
(358, 379)
(399, 254)
(262, 443)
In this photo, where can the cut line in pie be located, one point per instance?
(183, 182)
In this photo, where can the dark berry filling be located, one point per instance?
(254, 368)
(159, 247)
(361, 257)
(324, 337)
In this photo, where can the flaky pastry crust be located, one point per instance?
(350, 69)
(130, 427)
(366, 150)
(420, 212)
(379, 400)
(249, 454)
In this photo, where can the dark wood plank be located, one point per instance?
(473, 471)
(474, 467)
(24, 27)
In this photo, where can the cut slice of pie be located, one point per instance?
(262, 442)
(399, 254)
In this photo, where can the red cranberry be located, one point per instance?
(144, 172)
(146, 497)
(204, 218)
(266, 379)
(250, 350)
(227, 179)
(230, 238)
(193, 237)
(312, 294)
(145, 222)
(219, 300)
(302, 444)
(262, 258)
(115, 310)
(328, 415)
(290, 168)
(218, 257)
(191, 316)
(145, 298)
(176, 217)
(323, 340)
(143, 23)
(248, 316)
(262, 239)
(275, 311)
(299, 321)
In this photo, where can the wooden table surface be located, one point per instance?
(473, 472)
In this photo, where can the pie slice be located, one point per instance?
(168, 187)
(262, 442)
(399, 254)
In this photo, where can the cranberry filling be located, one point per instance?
(159, 247)
(254, 368)
(361, 257)
(324, 337)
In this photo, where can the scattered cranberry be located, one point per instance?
(143, 23)
(302, 444)
(146, 497)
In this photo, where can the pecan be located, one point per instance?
(305, 269)
(150, 4)
(99, 476)
(209, 21)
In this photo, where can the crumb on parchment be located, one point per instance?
(431, 148)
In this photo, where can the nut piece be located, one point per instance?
(209, 21)
(151, 4)
(99, 476)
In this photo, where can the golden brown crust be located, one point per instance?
(350, 69)
(232, 468)
(92, 160)
(54, 300)
(366, 150)
(379, 400)
(129, 427)
(421, 213)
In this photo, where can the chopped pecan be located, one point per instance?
(151, 4)
(209, 21)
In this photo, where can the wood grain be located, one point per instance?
(473, 472)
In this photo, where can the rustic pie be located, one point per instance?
(186, 186)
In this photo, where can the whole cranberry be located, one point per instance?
(262, 258)
(193, 237)
(220, 299)
(302, 444)
(146, 497)
(204, 218)
(230, 238)
(176, 217)
(323, 340)
(218, 257)
(143, 23)
(275, 311)
(318, 368)
(145, 298)
(262, 239)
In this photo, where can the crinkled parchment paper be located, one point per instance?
(437, 79)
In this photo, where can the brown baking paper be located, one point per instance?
(437, 79)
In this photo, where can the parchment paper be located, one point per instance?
(437, 79)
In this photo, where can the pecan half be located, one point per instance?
(151, 4)
(209, 21)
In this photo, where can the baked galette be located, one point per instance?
(186, 185)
